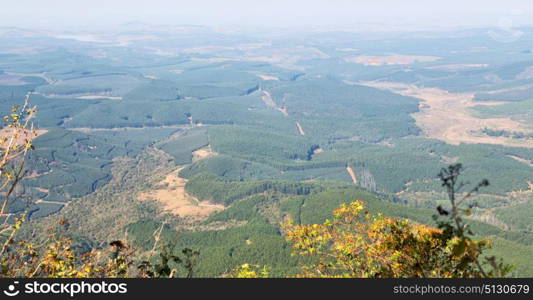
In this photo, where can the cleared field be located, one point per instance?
(394, 59)
(203, 153)
(171, 194)
(447, 116)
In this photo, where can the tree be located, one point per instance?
(16, 138)
(57, 257)
(355, 243)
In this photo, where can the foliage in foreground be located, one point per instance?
(58, 257)
(356, 243)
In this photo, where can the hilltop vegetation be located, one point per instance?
(287, 128)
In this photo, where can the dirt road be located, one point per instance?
(269, 102)
(352, 174)
(300, 128)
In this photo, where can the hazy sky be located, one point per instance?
(265, 13)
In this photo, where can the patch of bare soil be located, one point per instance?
(522, 160)
(268, 77)
(35, 174)
(300, 128)
(212, 226)
(393, 59)
(318, 150)
(488, 217)
(203, 153)
(42, 190)
(387, 143)
(457, 67)
(98, 97)
(90, 129)
(269, 102)
(447, 117)
(171, 194)
(352, 174)
(51, 202)
(81, 96)
(523, 195)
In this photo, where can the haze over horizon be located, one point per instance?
(387, 14)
